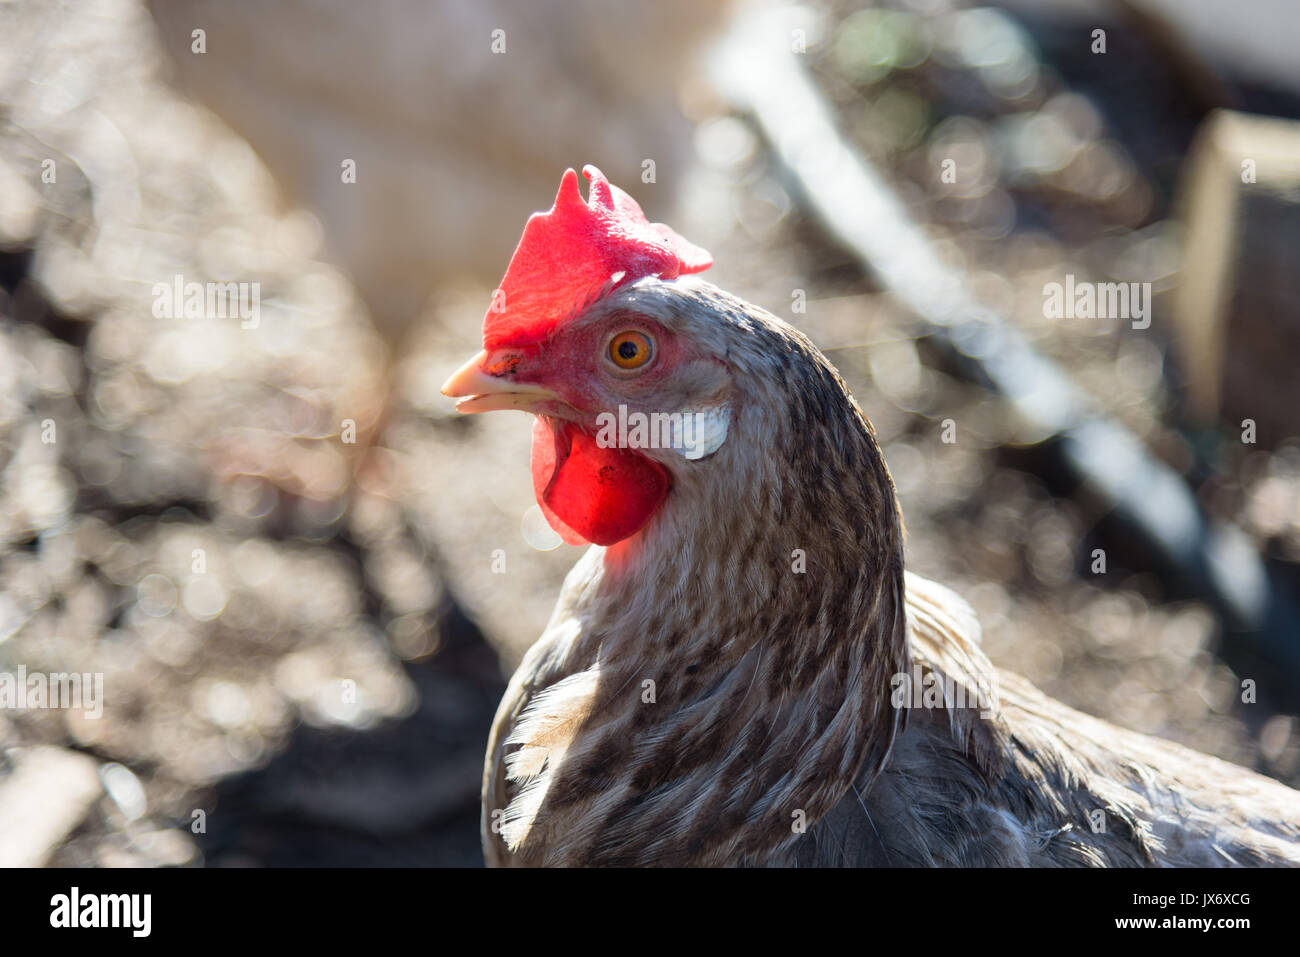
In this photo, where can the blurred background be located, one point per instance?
(276, 543)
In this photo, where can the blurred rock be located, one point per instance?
(43, 797)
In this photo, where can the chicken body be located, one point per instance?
(724, 687)
(468, 105)
(1043, 785)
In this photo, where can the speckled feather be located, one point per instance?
(771, 738)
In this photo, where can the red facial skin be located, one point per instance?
(577, 250)
(591, 494)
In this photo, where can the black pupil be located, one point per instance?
(628, 350)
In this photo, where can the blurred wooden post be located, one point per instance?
(1237, 305)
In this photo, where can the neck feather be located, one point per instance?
(737, 652)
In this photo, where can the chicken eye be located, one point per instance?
(630, 350)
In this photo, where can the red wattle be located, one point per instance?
(591, 494)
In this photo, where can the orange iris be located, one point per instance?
(630, 350)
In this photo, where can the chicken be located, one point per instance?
(739, 671)
(469, 105)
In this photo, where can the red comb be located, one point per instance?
(568, 255)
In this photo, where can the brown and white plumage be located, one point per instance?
(771, 700)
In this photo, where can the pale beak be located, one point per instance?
(480, 391)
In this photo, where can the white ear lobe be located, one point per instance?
(698, 433)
